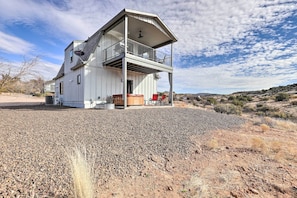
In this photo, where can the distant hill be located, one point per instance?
(288, 88)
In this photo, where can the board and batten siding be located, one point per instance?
(73, 90)
(104, 82)
(101, 82)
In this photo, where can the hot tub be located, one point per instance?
(132, 100)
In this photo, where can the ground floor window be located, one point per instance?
(61, 87)
(130, 86)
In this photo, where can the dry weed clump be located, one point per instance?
(285, 124)
(280, 156)
(82, 173)
(213, 144)
(264, 127)
(279, 124)
(275, 146)
(258, 144)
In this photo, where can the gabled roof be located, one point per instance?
(60, 73)
(93, 41)
(128, 12)
(89, 48)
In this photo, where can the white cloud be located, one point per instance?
(205, 28)
(14, 45)
(199, 25)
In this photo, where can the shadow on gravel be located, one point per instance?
(33, 106)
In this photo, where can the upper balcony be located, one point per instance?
(143, 57)
(136, 49)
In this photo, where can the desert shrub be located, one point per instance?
(230, 98)
(294, 103)
(222, 100)
(228, 109)
(265, 108)
(281, 114)
(195, 102)
(264, 98)
(248, 109)
(282, 97)
(237, 102)
(212, 101)
(259, 105)
(244, 98)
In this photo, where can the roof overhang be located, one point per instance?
(155, 33)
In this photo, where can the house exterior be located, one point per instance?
(49, 86)
(121, 61)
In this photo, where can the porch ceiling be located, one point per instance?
(153, 31)
(131, 67)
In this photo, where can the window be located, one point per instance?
(71, 55)
(78, 79)
(61, 87)
(130, 86)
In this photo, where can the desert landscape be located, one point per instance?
(239, 145)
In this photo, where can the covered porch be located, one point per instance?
(141, 43)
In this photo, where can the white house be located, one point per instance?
(49, 86)
(119, 62)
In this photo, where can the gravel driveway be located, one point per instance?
(33, 142)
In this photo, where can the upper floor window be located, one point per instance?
(78, 79)
(71, 55)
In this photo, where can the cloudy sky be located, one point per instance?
(223, 46)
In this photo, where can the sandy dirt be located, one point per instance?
(11, 99)
(253, 160)
(246, 162)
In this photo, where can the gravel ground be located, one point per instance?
(33, 141)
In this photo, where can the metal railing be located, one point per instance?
(136, 49)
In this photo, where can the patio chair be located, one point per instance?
(155, 99)
(162, 100)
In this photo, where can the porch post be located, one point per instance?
(170, 76)
(124, 62)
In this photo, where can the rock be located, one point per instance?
(233, 194)
(254, 191)
(169, 188)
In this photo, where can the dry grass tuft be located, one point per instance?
(213, 144)
(82, 173)
(280, 156)
(286, 125)
(264, 127)
(258, 144)
(275, 146)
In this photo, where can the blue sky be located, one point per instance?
(223, 46)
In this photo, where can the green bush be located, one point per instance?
(281, 114)
(231, 98)
(237, 102)
(282, 97)
(244, 98)
(228, 109)
(212, 101)
(248, 109)
(265, 108)
(264, 99)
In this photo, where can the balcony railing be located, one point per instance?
(136, 49)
